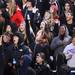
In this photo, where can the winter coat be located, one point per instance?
(42, 69)
(62, 67)
(1, 61)
(26, 63)
(8, 55)
(8, 49)
(19, 51)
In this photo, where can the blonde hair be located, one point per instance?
(12, 7)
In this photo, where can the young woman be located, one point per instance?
(22, 54)
(1, 57)
(15, 12)
(41, 43)
(67, 18)
(22, 29)
(8, 49)
(51, 18)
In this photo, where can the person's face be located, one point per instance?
(67, 7)
(73, 41)
(0, 12)
(24, 1)
(29, 4)
(62, 30)
(6, 38)
(42, 26)
(10, 4)
(22, 27)
(46, 16)
(51, 10)
(8, 28)
(69, 16)
(15, 40)
(0, 40)
(39, 36)
(39, 60)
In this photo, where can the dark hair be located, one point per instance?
(69, 5)
(42, 55)
(13, 26)
(32, 2)
(63, 25)
(61, 59)
(20, 36)
(19, 3)
(9, 34)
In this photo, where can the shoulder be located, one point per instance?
(56, 38)
(47, 65)
(69, 37)
(68, 47)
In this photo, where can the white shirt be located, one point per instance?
(69, 52)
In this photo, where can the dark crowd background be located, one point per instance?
(37, 37)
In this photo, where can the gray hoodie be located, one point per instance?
(58, 45)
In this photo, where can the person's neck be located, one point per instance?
(16, 45)
(66, 11)
(40, 63)
(62, 36)
(23, 32)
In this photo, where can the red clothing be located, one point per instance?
(17, 17)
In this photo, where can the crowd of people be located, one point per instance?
(37, 37)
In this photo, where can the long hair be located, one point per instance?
(12, 7)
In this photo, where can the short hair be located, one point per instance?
(42, 55)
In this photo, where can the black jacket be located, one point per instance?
(42, 69)
(44, 48)
(20, 51)
(1, 60)
(8, 55)
(8, 49)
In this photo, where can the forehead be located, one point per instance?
(29, 2)
(67, 4)
(8, 26)
(62, 27)
(15, 36)
(9, 1)
(22, 24)
(5, 36)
